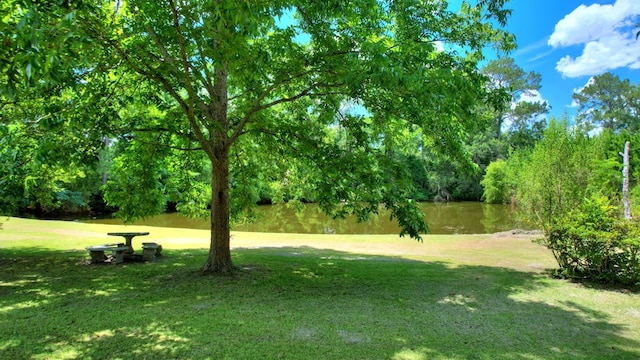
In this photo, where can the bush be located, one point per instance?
(497, 187)
(591, 242)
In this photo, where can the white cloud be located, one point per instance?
(539, 56)
(607, 34)
(531, 96)
(589, 23)
(534, 47)
(539, 50)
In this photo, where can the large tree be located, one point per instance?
(521, 114)
(609, 102)
(232, 78)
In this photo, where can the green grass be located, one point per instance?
(302, 297)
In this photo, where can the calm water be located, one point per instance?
(442, 218)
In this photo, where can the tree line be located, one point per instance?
(45, 172)
(39, 176)
(39, 142)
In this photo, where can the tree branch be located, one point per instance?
(208, 76)
(151, 73)
(167, 146)
(156, 39)
(288, 144)
(162, 129)
(187, 77)
(257, 107)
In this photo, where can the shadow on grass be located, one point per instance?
(294, 303)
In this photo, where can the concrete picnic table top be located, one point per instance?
(128, 236)
(128, 233)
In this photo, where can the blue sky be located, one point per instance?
(569, 41)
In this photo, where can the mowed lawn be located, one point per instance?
(302, 297)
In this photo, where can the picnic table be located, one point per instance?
(128, 236)
(122, 252)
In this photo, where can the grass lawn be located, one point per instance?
(301, 297)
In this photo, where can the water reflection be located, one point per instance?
(442, 218)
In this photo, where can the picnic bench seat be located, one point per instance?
(98, 256)
(118, 254)
(151, 250)
(97, 253)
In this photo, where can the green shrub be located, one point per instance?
(496, 184)
(591, 242)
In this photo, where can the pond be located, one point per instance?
(442, 218)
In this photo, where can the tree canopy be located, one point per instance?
(258, 88)
(609, 102)
(520, 115)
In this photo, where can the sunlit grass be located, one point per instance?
(301, 297)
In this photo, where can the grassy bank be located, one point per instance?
(302, 297)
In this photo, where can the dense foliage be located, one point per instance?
(569, 185)
(557, 174)
(592, 242)
(181, 178)
(44, 165)
(243, 82)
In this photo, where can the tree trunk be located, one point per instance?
(104, 172)
(500, 120)
(219, 260)
(625, 182)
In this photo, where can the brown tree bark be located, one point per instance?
(219, 259)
